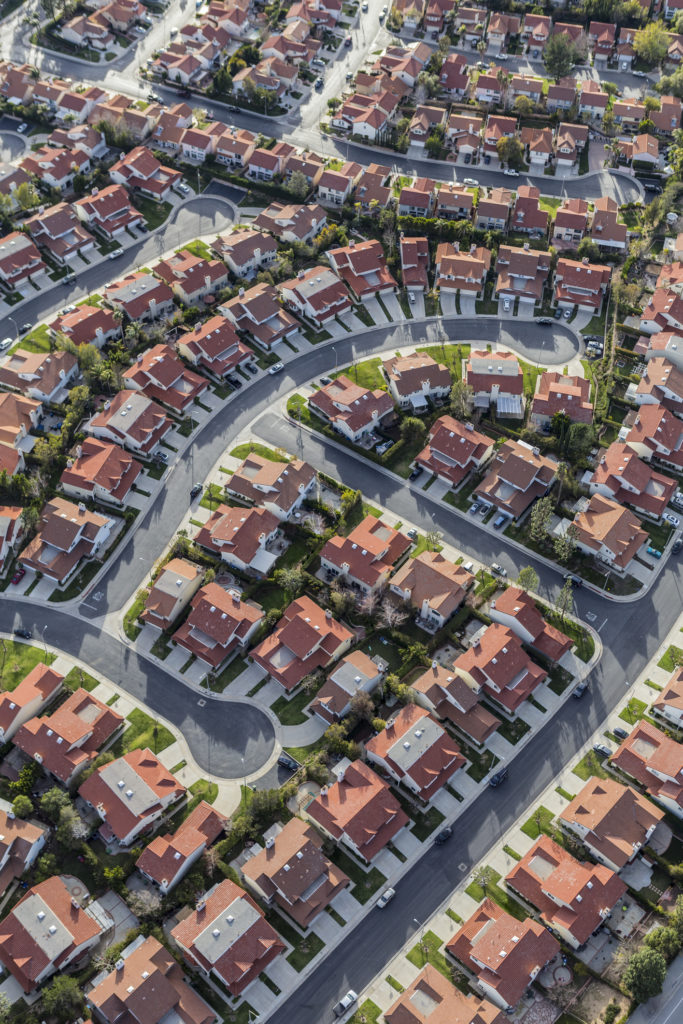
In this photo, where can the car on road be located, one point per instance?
(601, 750)
(276, 368)
(196, 489)
(115, 253)
(412, 533)
(671, 518)
(576, 580)
(579, 690)
(25, 634)
(285, 761)
(345, 1003)
(348, 41)
(23, 127)
(19, 575)
(498, 570)
(639, 74)
(384, 11)
(498, 778)
(349, 76)
(511, 172)
(386, 897)
(5, 344)
(499, 522)
(154, 97)
(443, 836)
(621, 733)
(652, 187)
(319, 84)
(364, 6)
(677, 545)
(472, 182)
(415, 473)
(545, 321)
(25, 328)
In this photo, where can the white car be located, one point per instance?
(511, 172)
(385, 898)
(671, 518)
(346, 1003)
(5, 344)
(67, 309)
(472, 182)
(115, 253)
(506, 305)
(23, 127)
(184, 188)
(276, 368)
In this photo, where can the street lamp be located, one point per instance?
(43, 631)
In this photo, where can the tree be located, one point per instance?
(588, 248)
(676, 917)
(652, 43)
(565, 544)
(145, 903)
(291, 580)
(22, 806)
(362, 706)
(510, 151)
(563, 474)
(26, 195)
(645, 974)
(523, 106)
(63, 998)
(539, 519)
(46, 867)
(298, 185)
(461, 396)
(391, 615)
(528, 578)
(413, 430)
(433, 539)
(30, 517)
(559, 56)
(369, 603)
(564, 602)
(71, 830)
(665, 940)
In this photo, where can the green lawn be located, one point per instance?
(254, 448)
(659, 533)
(367, 1013)
(78, 678)
(198, 248)
(531, 374)
(539, 822)
(212, 497)
(154, 213)
(422, 544)
(290, 712)
(428, 951)
(368, 374)
(304, 948)
(131, 626)
(513, 731)
(671, 658)
(590, 765)
(500, 896)
(140, 734)
(17, 660)
(448, 355)
(634, 711)
(426, 822)
(229, 673)
(269, 595)
(37, 340)
(205, 790)
(365, 883)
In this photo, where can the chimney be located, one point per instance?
(328, 614)
(526, 247)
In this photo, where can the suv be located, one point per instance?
(576, 580)
(499, 778)
(345, 1003)
(499, 522)
(443, 836)
(196, 489)
(579, 690)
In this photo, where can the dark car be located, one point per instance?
(325, 381)
(251, 368)
(576, 581)
(651, 187)
(621, 733)
(558, 314)
(579, 691)
(499, 522)
(487, 159)
(25, 634)
(443, 836)
(545, 321)
(235, 382)
(25, 328)
(319, 84)
(602, 751)
(676, 547)
(285, 761)
(197, 489)
(468, 158)
(499, 778)
(415, 473)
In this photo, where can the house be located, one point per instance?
(366, 557)
(612, 821)
(432, 585)
(334, 187)
(140, 296)
(488, 89)
(450, 696)
(454, 451)
(497, 127)
(277, 486)
(558, 394)
(561, 95)
(293, 873)
(436, 13)
(11, 178)
(371, 192)
(263, 165)
(536, 30)
(44, 377)
(35, 691)
(18, 417)
(131, 420)
(493, 211)
(354, 673)
(246, 252)
(161, 376)
(214, 346)
(571, 222)
(258, 314)
(606, 231)
(593, 101)
(22, 841)
(47, 931)
(67, 534)
(517, 610)
(665, 344)
(657, 434)
(173, 589)
(500, 28)
(417, 200)
(227, 937)
(625, 478)
(60, 232)
(664, 311)
(433, 999)
(525, 85)
(191, 278)
(414, 263)
(20, 260)
(305, 639)
(668, 118)
(416, 751)
(168, 858)
(628, 114)
(416, 379)
(504, 955)
(362, 266)
(573, 898)
(453, 77)
(644, 151)
(609, 532)
(518, 475)
(464, 134)
(423, 123)
(581, 284)
(453, 203)
(101, 471)
(602, 39)
(498, 379)
(497, 661)
(570, 141)
(80, 136)
(461, 271)
(56, 168)
(521, 272)
(67, 741)
(145, 986)
(351, 409)
(140, 171)
(242, 537)
(293, 222)
(129, 795)
(316, 294)
(539, 143)
(655, 761)
(219, 624)
(235, 147)
(358, 810)
(109, 211)
(87, 325)
(11, 532)
(527, 216)
(662, 382)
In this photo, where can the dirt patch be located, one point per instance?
(588, 999)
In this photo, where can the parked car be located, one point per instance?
(671, 518)
(317, 62)
(579, 690)
(115, 253)
(567, 313)
(348, 41)
(498, 570)
(349, 76)
(415, 473)
(474, 508)
(412, 534)
(23, 127)
(364, 7)
(652, 187)
(498, 778)
(621, 733)
(251, 367)
(345, 1003)
(383, 447)
(319, 84)
(276, 368)
(184, 188)
(499, 522)
(546, 321)
(19, 575)
(161, 456)
(443, 836)
(601, 750)
(472, 182)
(677, 545)
(196, 489)
(639, 74)
(654, 552)
(5, 344)
(285, 761)
(506, 305)
(235, 382)
(511, 172)
(25, 634)
(25, 328)
(558, 314)
(386, 897)
(576, 580)
(487, 158)
(484, 508)
(468, 158)
(325, 380)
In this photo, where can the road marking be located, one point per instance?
(601, 625)
(201, 703)
(462, 867)
(591, 616)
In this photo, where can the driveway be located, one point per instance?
(467, 304)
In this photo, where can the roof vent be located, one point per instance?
(406, 745)
(129, 793)
(41, 915)
(589, 885)
(216, 932)
(119, 964)
(270, 843)
(120, 783)
(52, 929)
(145, 974)
(299, 856)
